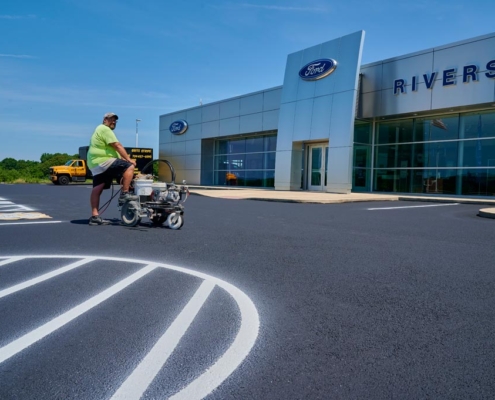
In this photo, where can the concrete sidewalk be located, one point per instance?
(238, 193)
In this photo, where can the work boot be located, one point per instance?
(97, 220)
(125, 196)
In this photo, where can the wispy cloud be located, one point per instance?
(284, 8)
(30, 16)
(17, 56)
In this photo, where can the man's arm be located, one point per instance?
(120, 149)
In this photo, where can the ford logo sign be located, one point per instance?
(178, 127)
(318, 69)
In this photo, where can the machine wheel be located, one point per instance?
(56, 183)
(175, 221)
(130, 213)
(63, 180)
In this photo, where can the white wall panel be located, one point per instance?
(270, 120)
(193, 162)
(251, 104)
(210, 112)
(251, 123)
(406, 68)
(210, 129)
(346, 73)
(302, 120)
(342, 119)
(326, 85)
(403, 103)
(193, 116)
(461, 94)
(286, 126)
(272, 99)
(320, 123)
(372, 78)
(193, 147)
(289, 92)
(229, 108)
(229, 126)
(193, 132)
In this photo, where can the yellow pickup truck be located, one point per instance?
(71, 171)
(77, 171)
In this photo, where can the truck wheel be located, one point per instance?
(130, 213)
(56, 182)
(63, 180)
(175, 221)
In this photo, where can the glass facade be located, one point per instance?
(248, 161)
(453, 154)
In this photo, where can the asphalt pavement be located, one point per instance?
(367, 299)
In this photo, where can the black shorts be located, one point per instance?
(114, 171)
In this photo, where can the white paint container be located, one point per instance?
(143, 187)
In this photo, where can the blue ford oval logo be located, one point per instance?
(318, 69)
(178, 127)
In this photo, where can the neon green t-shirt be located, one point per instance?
(99, 146)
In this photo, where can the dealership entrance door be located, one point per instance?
(317, 166)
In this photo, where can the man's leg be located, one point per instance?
(127, 178)
(95, 198)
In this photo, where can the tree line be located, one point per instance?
(22, 171)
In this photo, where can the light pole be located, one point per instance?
(137, 120)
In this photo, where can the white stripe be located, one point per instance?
(16, 207)
(28, 339)
(137, 383)
(430, 205)
(44, 277)
(10, 260)
(28, 223)
(5, 202)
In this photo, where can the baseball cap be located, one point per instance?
(110, 115)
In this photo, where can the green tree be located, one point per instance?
(8, 163)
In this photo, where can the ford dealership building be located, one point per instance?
(419, 123)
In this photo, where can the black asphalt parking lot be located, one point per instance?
(352, 303)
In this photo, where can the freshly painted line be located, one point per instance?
(29, 223)
(2, 202)
(32, 337)
(16, 207)
(44, 277)
(429, 205)
(10, 260)
(235, 354)
(137, 383)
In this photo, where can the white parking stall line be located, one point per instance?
(429, 205)
(32, 337)
(44, 277)
(14, 207)
(10, 260)
(143, 375)
(31, 223)
(139, 380)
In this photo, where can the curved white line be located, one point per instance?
(237, 352)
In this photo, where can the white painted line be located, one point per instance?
(10, 260)
(29, 223)
(15, 207)
(137, 383)
(5, 202)
(229, 361)
(429, 205)
(32, 337)
(44, 277)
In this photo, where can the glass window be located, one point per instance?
(254, 161)
(362, 156)
(254, 145)
(222, 147)
(436, 128)
(362, 132)
(479, 125)
(237, 146)
(269, 179)
(478, 153)
(400, 131)
(394, 156)
(478, 182)
(270, 160)
(442, 154)
(270, 143)
(360, 179)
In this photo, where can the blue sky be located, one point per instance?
(65, 63)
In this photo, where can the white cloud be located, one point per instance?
(30, 16)
(17, 56)
(284, 8)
